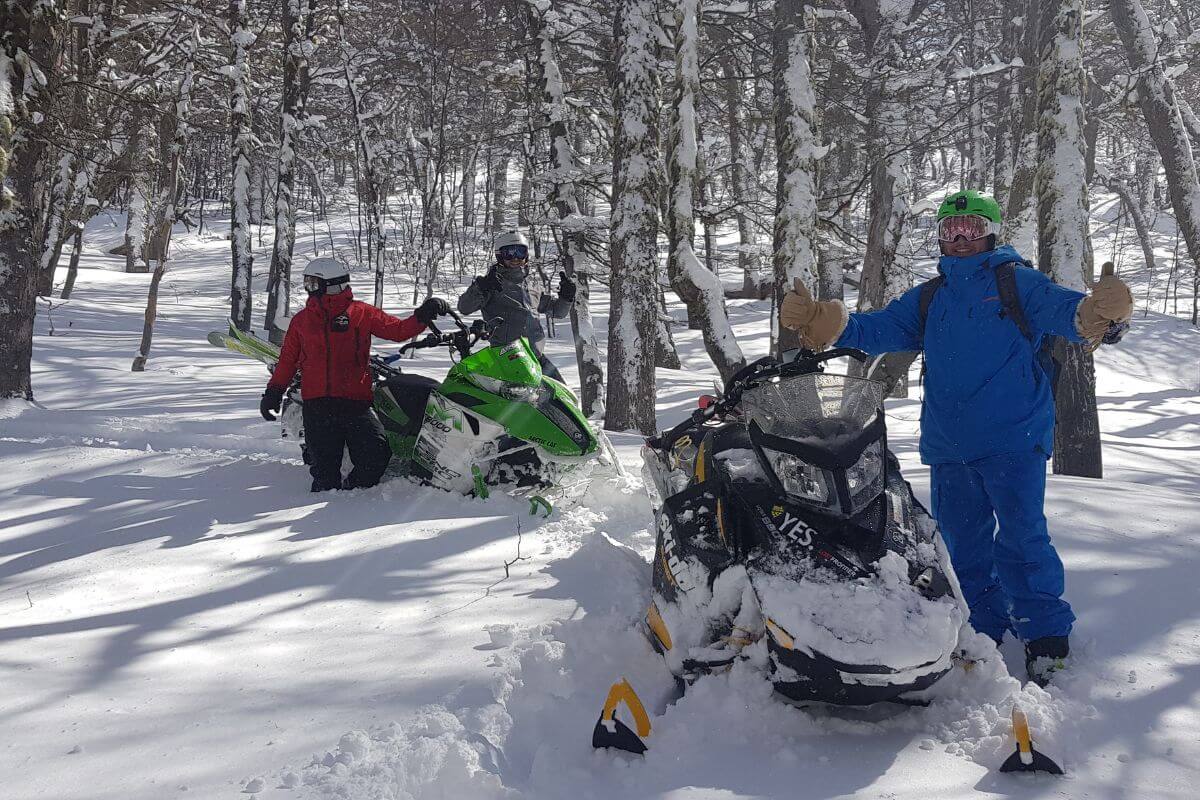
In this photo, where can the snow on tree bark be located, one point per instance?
(563, 178)
(29, 37)
(241, 150)
(1165, 120)
(1020, 215)
(884, 273)
(797, 153)
(699, 288)
(633, 235)
(1062, 223)
(297, 26)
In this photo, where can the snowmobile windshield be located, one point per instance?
(823, 438)
(827, 411)
(509, 364)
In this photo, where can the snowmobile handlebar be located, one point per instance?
(461, 340)
(804, 362)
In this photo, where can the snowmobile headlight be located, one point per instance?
(513, 391)
(802, 480)
(520, 392)
(865, 478)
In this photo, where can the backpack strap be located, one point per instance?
(1010, 298)
(925, 299)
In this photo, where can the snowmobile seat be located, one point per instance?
(412, 393)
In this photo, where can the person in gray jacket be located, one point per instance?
(510, 303)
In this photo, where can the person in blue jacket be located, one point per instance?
(987, 420)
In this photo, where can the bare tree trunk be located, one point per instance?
(241, 152)
(796, 154)
(976, 158)
(297, 24)
(887, 157)
(563, 196)
(369, 188)
(138, 211)
(172, 144)
(73, 266)
(55, 229)
(468, 189)
(500, 195)
(1164, 119)
(1020, 217)
(731, 87)
(1139, 220)
(699, 288)
(632, 321)
(1062, 223)
(666, 354)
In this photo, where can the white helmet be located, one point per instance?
(509, 238)
(326, 275)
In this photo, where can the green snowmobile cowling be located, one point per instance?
(505, 383)
(494, 421)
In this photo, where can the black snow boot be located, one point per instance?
(1044, 657)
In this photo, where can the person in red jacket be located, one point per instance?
(329, 341)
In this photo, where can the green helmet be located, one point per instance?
(969, 201)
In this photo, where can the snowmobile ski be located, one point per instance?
(610, 732)
(1025, 758)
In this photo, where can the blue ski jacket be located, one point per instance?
(985, 392)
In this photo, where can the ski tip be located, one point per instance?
(216, 339)
(1025, 758)
(610, 732)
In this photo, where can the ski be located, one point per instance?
(246, 344)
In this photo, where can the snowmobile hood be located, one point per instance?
(882, 620)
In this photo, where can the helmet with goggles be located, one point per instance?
(969, 214)
(512, 245)
(326, 276)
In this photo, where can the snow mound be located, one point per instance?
(534, 740)
(431, 756)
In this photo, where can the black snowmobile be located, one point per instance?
(783, 519)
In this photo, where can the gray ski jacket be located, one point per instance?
(513, 311)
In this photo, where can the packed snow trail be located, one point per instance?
(180, 618)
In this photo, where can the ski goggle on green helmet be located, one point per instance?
(969, 214)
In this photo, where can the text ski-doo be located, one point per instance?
(782, 516)
(495, 421)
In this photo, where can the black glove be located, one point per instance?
(489, 283)
(431, 309)
(566, 288)
(271, 400)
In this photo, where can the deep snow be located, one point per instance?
(180, 618)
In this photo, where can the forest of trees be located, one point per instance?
(625, 136)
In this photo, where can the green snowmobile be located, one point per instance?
(495, 421)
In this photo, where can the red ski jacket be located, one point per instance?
(329, 341)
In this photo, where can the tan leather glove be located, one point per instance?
(1110, 301)
(818, 323)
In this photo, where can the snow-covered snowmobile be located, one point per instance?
(494, 422)
(783, 517)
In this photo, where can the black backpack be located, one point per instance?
(1010, 307)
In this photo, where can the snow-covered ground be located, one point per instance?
(180, 618)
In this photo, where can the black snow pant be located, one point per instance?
(334, 423)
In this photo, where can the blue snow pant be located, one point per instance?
(1011, 575)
